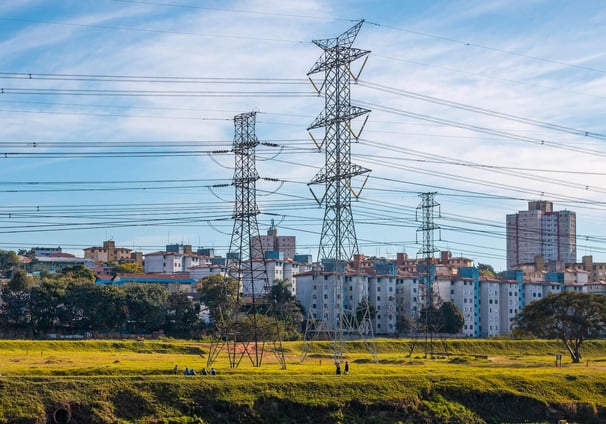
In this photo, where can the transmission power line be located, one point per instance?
(251, 275)
(337, 318)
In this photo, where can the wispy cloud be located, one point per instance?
(517, 62)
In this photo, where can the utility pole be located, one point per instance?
(334, 317)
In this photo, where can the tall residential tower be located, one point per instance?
(540, 231)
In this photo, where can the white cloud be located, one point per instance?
(222, 43)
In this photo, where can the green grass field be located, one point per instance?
(466, 381)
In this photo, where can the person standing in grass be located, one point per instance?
(346, 369)
(338, 368)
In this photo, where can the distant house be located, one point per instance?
(173, 283)
(55, 262)
(107, 253)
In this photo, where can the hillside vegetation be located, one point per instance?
(465, 381)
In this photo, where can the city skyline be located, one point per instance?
(116, 119)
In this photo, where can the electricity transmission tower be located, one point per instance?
(246, 327)
(332, 316)
(430, 319)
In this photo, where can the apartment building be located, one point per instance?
(107, 253)
(541, 232)
(285, 247)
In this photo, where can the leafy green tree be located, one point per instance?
(430, 319)
(145, 306)
(20, 281)
(79, 273)
(365, 311)
(260, 326)
(110, 309)
(16, 310)
(452, 319)
(221, 296)
(80, 306)
(28, 253)
(405, 324)
(486, 271)
(286, 308)
(8, 261)
(48, 307)
(182, 316)
(129, 268)
(569, 316)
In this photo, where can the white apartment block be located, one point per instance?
(204, 270)
(490, 310)
(382, 294)
(410, 296)
(462, 294)
(317, 293)
(163, 263)
(510, 304)
(190, 261)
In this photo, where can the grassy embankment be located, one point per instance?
(492, 381)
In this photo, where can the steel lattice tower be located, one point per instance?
(251, 274)
(335, 318)
(428, 248)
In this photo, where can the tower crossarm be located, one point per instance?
(345, 40)
(336, 56)
(335, 115)
(347, 171)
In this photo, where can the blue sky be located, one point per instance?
(102, 73)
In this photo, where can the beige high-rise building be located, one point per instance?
(272, 242)
(541, 231)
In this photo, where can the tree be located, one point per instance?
(129, 268)
(286, 308)
(8, 261)
(569, 316)
(110, 309)
(20, 281)
(182, 316)
(81, 302)
(79, 273)
(453, 320)
(48, 307)
(145, 305)
(405, 324)
(365, 311)
(486, 270)
(430, 320)
(220, 295)
(16, 298)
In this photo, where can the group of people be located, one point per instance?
(191, 371)
(345, 368)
